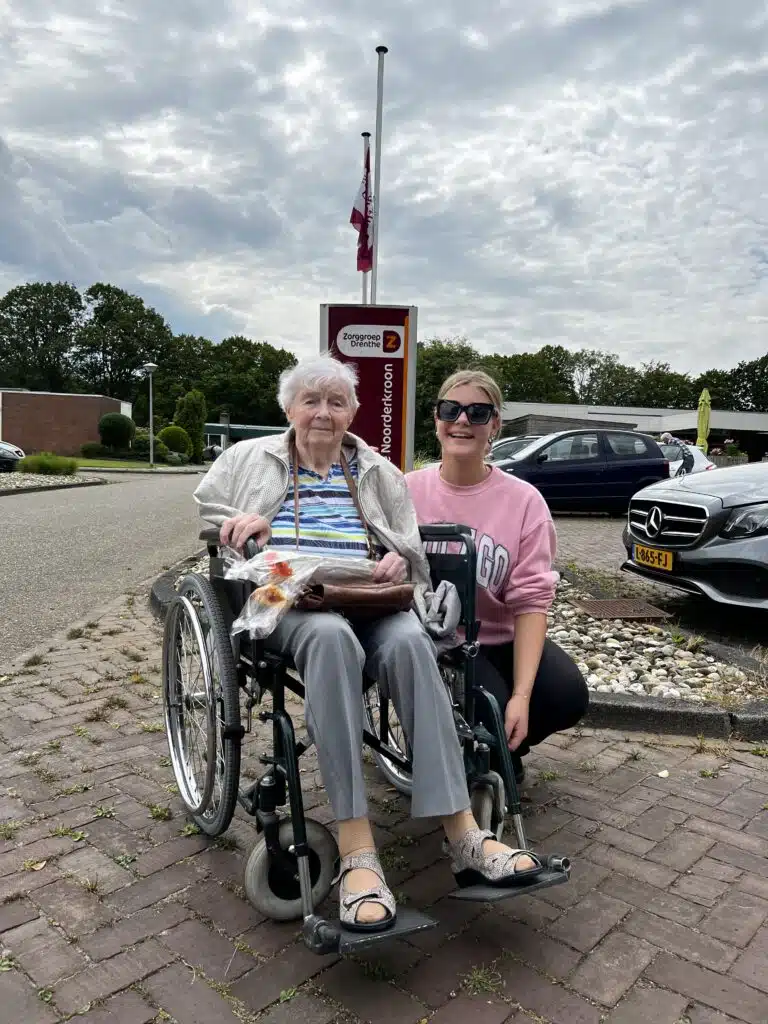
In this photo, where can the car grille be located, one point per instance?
(678, 525)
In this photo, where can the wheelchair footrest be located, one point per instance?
(408, 922)
(489, 894)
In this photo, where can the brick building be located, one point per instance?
(44, 421)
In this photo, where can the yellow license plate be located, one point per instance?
(654, 558)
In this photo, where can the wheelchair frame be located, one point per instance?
(258, 671)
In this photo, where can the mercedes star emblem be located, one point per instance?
(654, 522)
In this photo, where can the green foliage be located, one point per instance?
(190, 415)
(116, 430)
(46, 464)
(161, 452)
(177, 439)
(95, 450)
(39, 324)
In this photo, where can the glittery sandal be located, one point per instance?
(471, 866)
(350, 902)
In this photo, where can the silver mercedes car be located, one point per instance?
(705, 534)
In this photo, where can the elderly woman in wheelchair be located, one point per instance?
(322, 490)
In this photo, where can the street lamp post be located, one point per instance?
(150, 368)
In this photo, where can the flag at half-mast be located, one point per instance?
(362, 216)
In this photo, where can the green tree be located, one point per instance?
(182, 367)
(119, 336)
(240, 377)
(38, 326)
(191, 416)
(436, 359)
(723, 386)
(116, 430)
(660, 387)
(600, 379)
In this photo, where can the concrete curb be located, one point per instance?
(50, 487)
(608, 711)
(181, 471)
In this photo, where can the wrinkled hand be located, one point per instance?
(236, 531)
(516, 721)
(393, 568)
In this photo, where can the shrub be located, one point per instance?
(116, 430)
(174, 459)
(161, 451)
(177, 439)
(94, 450)
(190, 414)
(46, 464)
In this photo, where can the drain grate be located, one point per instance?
(619, 608)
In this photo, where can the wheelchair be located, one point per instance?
(213, 687)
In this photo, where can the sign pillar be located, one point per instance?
(381, 343)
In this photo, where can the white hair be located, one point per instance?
(318, 372)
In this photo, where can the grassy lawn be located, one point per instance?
(112, 464)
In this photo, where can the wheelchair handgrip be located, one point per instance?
(251, 548)
(443, 531)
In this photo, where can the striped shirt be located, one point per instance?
(329, 523)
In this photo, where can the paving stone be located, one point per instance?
(587, 923)
(377, 1002)
(611, 969)
(106, 942)
(68, 903)
(169, 853)
(20, 1002)
(658, 822)
(91, 865)
(732, 837)
(227, 911)
(646, 1005)
(752, 965)
(635, 867)
(736, 918)
(200, 946)
(716, 869)
(43, 952)
(713, 990)
(262, 986)
(16, 913)
(655, 901)
(433, 980)
(184, 994)
(680, 850)
(110, 976)
(540, 996)
(585, 876)
(124, 1008)
(703, 1015)
(686, 942)
(150, 890)
(519, 940)
(305, 1008)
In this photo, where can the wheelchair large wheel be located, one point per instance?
(274, 891)
(394, 774)
(202, 705)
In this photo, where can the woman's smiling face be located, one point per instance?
(462, 439)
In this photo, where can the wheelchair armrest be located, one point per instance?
(212, 537)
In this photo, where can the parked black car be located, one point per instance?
(10, 456)
(589, 470)
(705, 534)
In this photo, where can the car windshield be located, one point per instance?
(672, 452)
(506, 449)
(530, 446)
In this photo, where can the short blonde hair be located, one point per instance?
(474, 378)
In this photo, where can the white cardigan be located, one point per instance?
(254, 476)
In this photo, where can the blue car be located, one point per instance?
(589, 470)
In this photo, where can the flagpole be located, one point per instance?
(381, 50)
(366, 143)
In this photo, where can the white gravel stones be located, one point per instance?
(636, 658)
(28, 481)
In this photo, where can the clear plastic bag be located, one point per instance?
(280, 578)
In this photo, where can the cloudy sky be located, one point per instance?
(582, 172)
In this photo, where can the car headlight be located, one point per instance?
(746, 522)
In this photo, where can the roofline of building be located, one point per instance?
(59, 394)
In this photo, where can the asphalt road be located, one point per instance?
(65, 553)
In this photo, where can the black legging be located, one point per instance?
(559, 698)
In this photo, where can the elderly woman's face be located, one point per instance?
(321, 416)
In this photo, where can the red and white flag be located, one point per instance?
(362, 216)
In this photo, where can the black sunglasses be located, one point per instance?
(478, 413)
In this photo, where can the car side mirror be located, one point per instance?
(542, 458)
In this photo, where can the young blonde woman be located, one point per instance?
(538, 686)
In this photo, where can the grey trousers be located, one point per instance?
(396, 651)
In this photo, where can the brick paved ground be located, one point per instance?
(108, 904)
(590, 542)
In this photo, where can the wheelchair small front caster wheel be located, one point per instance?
(273, 888)
(484, 801)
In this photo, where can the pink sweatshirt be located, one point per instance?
(515, 539)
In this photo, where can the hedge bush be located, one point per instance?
(176, 438)
(47, 464)
(116, 430)
(95, 450)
